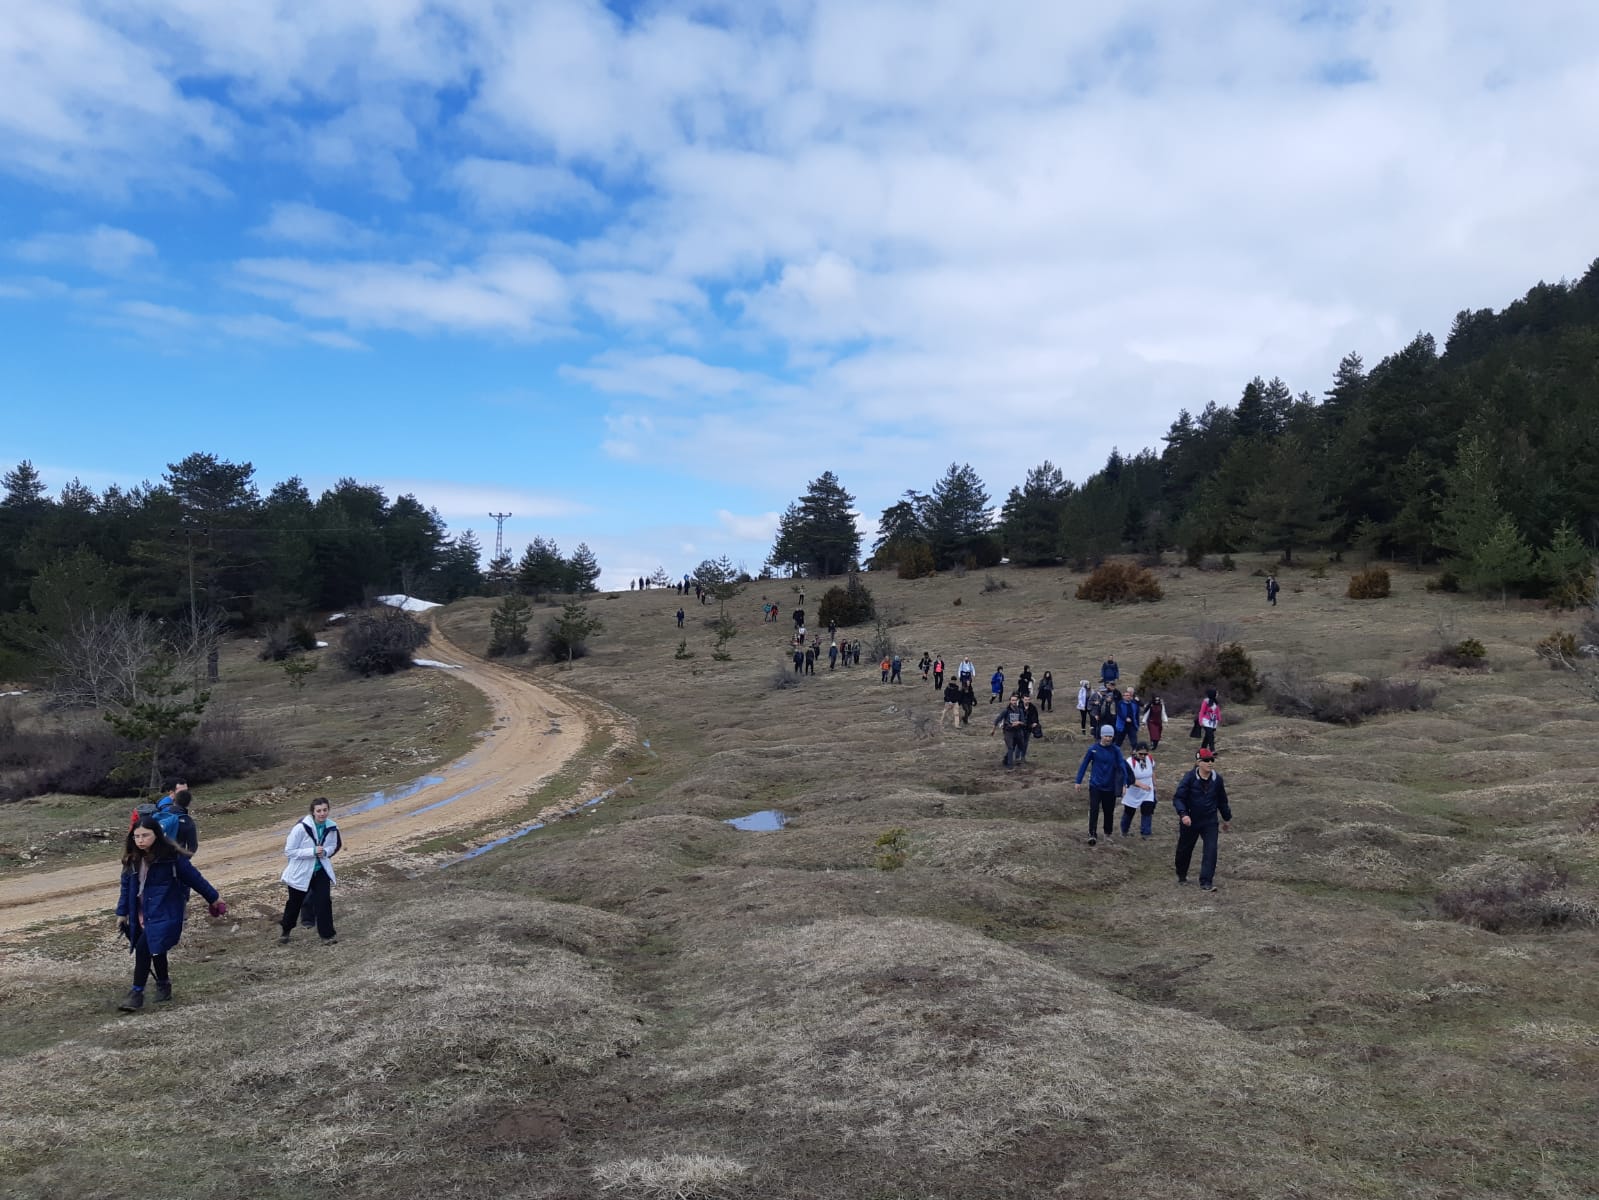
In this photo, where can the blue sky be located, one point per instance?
(636, 273)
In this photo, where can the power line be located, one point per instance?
(499, 532)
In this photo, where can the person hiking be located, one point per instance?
(925, 666)
(1083, 697)
(188, 835)
(680, 617)
(1155, 721)
(996, 685)
(1271, 590)
(1024, 682)
(1101, 709)
(1140, 794)
(1200, 799)
(938, 672)
(799, 661)
(885, 666)
(952, 699)
(1107, 781)
(1127, 719)
(893, 674)
(966, 671)
(157, 877)
(810, 660)
(310, 848)
(1013, 719)
(1031, 728)
(1208, 720)
(1109, 672)
(832, 656)
(1046, 692)
(968, 701)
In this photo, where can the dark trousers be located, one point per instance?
(321, 892)
(1129, 736)
(1082, 714)
(1207, 737)
(1101, 800)
(1187, 835)
(143, 960)
(938, 680)
(1015, 745)
(1046, 701)
(1146, 818)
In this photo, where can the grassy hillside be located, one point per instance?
(644, 1002)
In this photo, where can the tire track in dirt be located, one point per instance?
(534, 733)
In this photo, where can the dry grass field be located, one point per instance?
(644, 1002)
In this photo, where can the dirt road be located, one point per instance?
(534, 733)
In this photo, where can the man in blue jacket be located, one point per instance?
(1109, 672)
(1106, 783)
(1200, 799)
(1128, 717)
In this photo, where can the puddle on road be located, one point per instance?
(766, 821)
(451, 799)
(527, 829)
(390, 795)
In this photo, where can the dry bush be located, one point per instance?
(1466, 655)
(1228, 669)
(380, 641)
(1558, 649)
(848, 605)
(1289, 694)
(1503, 895)
(1372, 583)
(286, 638)
(1120, 583)
(1160, 674)
(673, 1177)
(784, 678)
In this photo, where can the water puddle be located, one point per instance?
(527, 829)
(389, 796)
(452, 799)
(766, 821)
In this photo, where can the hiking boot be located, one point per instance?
(283, 940)
(1207, 887)
(1092, 840)
(330, 941)
(133, 1001)
(163, 990)
(1182, 883)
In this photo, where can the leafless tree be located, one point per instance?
(103, 660)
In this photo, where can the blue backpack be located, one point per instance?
(165, 814)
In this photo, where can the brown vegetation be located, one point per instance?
(1372, 583)
(1119, 583)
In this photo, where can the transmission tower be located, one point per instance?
(499, 532)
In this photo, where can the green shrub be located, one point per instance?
(914, 560)
(1372, 583)
(1470, 655)
(1120, 583)
(1228, 669)
(849, 605)
(1161, 674)
(1447, 582)
(1558, 649)
(891, 849)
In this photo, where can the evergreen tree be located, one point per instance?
(957, 518)
(566, 637)
(508, 626)
(1565, 567)
(1029, 524)
(583, 570)
(1471, 511)
(900, 530)
(460, 571)
(816, 536)
(501, 573)
(1287, 507)
(541, 568)
(1501, 562)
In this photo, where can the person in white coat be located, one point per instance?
(1082, 705)
(1140, 794)
(310, 849)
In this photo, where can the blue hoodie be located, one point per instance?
(1110, 769)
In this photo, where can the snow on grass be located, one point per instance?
(407, 603)
(433, 662)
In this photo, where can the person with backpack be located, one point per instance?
(1031, 728)
(1271, 590)
(169, 815)
(310, 849)
(926, 665)
(188, 835)
(1140, 794)
(1013, 719)
(966, 672)
(1208, 720)
(996, 685)
(1046, 692)
(1200, 799)
(1108, 780)
(156, 880)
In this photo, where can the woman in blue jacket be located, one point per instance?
(156, 878)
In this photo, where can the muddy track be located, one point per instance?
(533, 734)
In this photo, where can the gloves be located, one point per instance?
(122, 926)
(218, 908)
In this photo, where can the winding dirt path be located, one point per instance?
(533, 734)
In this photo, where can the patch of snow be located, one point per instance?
(337, 617)
(321, 645)
(407, 603)
(13, 693)
(433, 662)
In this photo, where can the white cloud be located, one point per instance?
(105, 249)
(761, 527)
(466, 504)
(308, 225)
(496, 186)
(520, 295)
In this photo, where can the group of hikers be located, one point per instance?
(158, 876)
(1119, 764)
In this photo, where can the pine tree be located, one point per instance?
(1471, 511)
(582, 570)
(1287, 507)
(1501, 561)
(508, 626)
(899, 531)
(1029, 524)
(1565, 566)
(957, 518)
(816, 536)
(460, 571)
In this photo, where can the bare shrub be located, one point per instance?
(1292, 695)
(1504, 895)
(1217, 633)
(1372, 583)
(783, 678)
(1557, 649)
(380, 641)
(1120, 583)
(993, 584)
(1467, 655)
(286, 638)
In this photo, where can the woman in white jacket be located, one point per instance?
(1082, 705)
(312, 843)
(1140, 794)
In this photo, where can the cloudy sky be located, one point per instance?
(635, 272)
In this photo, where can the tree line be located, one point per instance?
(204, 545)
(1479, 458)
